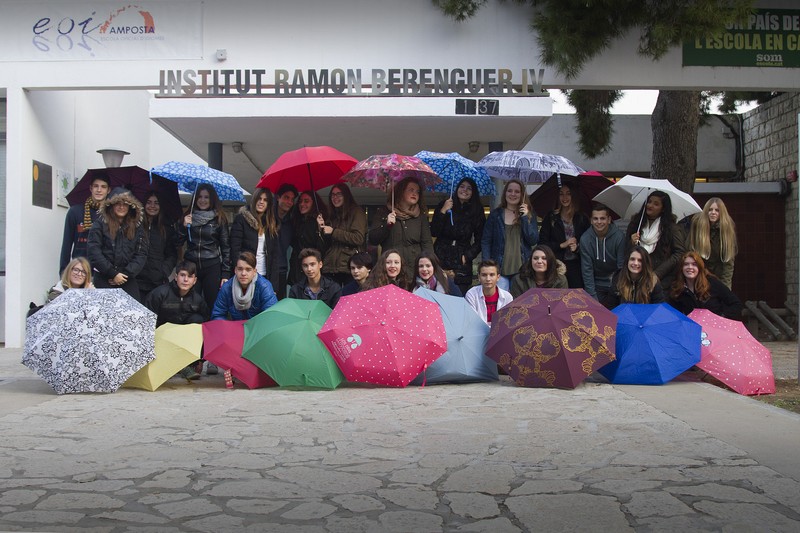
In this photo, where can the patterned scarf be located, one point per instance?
(405, 214)
(88, 206)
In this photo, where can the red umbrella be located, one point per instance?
(222, 345)
(587, 185)
(308, 168)
(552, 337)
(385, 336)
(729, 353)
(135, 179)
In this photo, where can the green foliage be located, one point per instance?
(459, 9)
(595, 122)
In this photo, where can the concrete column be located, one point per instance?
(215, 155)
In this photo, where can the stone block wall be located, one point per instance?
(771, 152)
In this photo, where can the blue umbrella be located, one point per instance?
(655, 344)
(189, 175)
(452, 168)
(464, 360)
(527, 166)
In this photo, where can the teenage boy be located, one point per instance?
(178, 303)
(284, 203)
(80, 218)
(315, 286)
(488, 297)
(602, 253)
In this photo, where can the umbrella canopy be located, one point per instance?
(730, 353)
(586, 185)
(224, 341)
(307, 168)
(137, 180)
(385, 336)
(467, 333)
(89, 340)
(627, 196)
(527, 166)
(283, 342)
(452, 168)
(189, 175)
(552, 337)
(655, 344)
(379, 171)
(177, 346)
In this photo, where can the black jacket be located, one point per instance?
(614, 298)
(244, 238)
(721, 301)
(457, 236)
(210, 244)
(329, 291)
(111, 256)
(306, 234)
(553, 234)
(162, 255)
(166, 302)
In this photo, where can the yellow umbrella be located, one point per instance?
(176, 347)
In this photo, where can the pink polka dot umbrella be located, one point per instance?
(729, 353)
(385, 336)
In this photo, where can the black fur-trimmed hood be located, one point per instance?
(122, 195)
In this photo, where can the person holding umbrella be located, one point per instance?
(79, 220)
(254, 229)
(429, 275)
(404, 223)
(635, 283)
(695, 287)
(713, 237)
(511, 231)
(306, 231)
(246, 294)
(77, 275)
(655, 229)
(162, 251)
(542, 271)
(562, 230)
(205, 232)
(117, 246)
(458, 228)
(344, 234)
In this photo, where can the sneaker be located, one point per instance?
(211, 369)
(189, 373)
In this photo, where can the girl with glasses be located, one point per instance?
(77, 275)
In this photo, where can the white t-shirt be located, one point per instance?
(261, 256)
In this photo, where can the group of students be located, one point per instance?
(242, 268)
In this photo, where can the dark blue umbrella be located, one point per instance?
(467, 333)
(655, 344)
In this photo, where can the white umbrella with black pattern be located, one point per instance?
(89, 340)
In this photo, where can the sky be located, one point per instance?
(639, 102)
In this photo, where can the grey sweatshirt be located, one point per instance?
(601, 257)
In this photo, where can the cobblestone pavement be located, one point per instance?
(478, 457)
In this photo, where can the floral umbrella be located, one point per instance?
(452, 168)
(189, 175)
(379, 171)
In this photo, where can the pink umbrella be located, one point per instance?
(385, 336)
(223, 342)
(733, 356)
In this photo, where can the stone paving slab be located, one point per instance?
(477, 457)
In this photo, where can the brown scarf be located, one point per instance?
(405, 214)
(88, 206)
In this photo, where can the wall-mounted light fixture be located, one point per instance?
(474, 146)
(222, 54)
(112, 157)
(237, 147)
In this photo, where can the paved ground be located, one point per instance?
(482, 457)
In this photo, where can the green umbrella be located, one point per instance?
(283, 342)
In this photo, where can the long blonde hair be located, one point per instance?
(700, 234)
(83, 262)
(524, 199)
